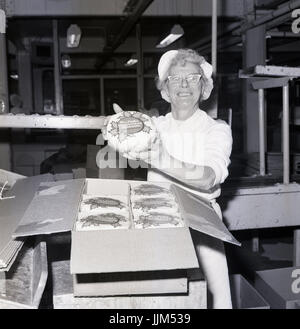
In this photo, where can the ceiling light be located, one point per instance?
(73, 36)
(176, 33)
(131, 61)
(14, 76)
(66, 61)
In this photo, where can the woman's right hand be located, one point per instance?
(117, 109)
(150, 156)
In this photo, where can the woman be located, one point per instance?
(192, 149)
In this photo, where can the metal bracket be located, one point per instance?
(269, 71)
(270, 83)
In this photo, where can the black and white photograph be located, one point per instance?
(149, 157)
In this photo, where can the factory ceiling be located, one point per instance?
(113, 33)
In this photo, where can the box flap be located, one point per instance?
(201, 216)
(9, 177)
(132, 250)
(11, 211)
(53, 208)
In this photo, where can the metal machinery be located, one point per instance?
(276, 205)
(243, 207)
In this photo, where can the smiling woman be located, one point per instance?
(183, 89)
(197, 146)
(195, 152)
(190, 149)
(180, 58)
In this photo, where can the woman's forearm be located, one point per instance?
(200, 177)
(194, 176)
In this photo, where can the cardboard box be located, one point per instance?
(63, 297)
(121, 261)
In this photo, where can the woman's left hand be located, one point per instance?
(117, 109)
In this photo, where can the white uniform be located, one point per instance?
(199, 140)
(203, 141)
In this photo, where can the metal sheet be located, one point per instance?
(265, 207)
(64, 8)
(228, 8)
(270, 70)
(270, 83)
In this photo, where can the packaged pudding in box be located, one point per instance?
(91, 203)
(144, 251)
(103, 212)
(154, 206)
(102, 221)
(151, 191)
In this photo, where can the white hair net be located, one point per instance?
(166, 61)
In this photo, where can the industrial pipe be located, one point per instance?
(214, 37)
(206, 42)
(226, 41)
(278, 21)
(57, 80)
(285, 134)
(282, 34)
(4, 104)
(223, 44)
(128, 25)
(125, 29)
(262, 143)
(140, 68)
(291, 5)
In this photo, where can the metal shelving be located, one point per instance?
(51, 121)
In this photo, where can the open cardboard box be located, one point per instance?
(121, 261)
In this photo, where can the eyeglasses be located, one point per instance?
(190, 79)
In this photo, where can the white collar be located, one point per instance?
(188, 122)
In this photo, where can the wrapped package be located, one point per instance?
(92, 203)
(98, 212)
(131, 131)
(102, 221)
(157, 219)
(151, 191)
(154, 205)
(151, 204)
